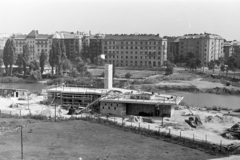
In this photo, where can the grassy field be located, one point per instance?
(121, 72)
(70, 140)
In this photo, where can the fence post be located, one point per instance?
(148, 127)
(180, 135)
(10, 112)
(20, 113)
(169, 132)
(193, 137)
(139, 125)
(221, 146)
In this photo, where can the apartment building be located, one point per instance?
(72, 41)
(37, 42)
(172, 47)
(95, 47)
(135, 50)
(3, 38)
(231, 48)
(205, 46)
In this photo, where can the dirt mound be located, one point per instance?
(233, 132)
(221, 119)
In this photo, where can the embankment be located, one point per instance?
(189, 88)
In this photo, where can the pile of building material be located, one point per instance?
(233, 132)
(139, 119)
(221, 119)
(194, 121)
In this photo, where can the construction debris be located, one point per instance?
(221, 119)
(194, 121)
(139, 119)
(233, 132)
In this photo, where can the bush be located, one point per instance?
(11, 80)
(128, 75)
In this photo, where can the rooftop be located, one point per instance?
(33, 34)
(132, 37)
(122, 95)
(66, 35)
(201, 35)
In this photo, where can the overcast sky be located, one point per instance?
(164, 17)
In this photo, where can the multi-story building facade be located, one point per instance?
(72, 41)
(231, 48)
(36, 42)
(95, 47)
(3, 38)
(205, 46)
(133, 50)
(172, 48)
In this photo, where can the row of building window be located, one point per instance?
(146, 57)
(126, 62)
(146, 52)
(134, 42)
(126, 47)
(108, 108)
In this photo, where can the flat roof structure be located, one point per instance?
(155, 99)
(120, 95)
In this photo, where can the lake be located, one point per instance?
(206, 99)
(195, 99)
(29, 86)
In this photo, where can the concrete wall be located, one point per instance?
(135, 109)
(113, 108)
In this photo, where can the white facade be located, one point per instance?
(108, 76)
(3, 38)
(37, 43)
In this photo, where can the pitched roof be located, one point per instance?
(33, 34)
(43, 36)
(132, 37)
(22, 36)
(204, 35)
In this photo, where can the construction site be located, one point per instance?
(115, 101)
(146, 113)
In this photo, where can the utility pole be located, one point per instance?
(21, 143)
(55, 111)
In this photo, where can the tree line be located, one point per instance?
(57, 59)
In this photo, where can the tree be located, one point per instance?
(52, 60)
(25, 56)
(231, 62)
(128, 75)
(35, 75)
(113, 70)
(59, 54)
(9, 55)
(211, 65)
(169, 68)
(34, 65)
(42, 59)
(1, 62)
(222, 68)
(19, 62)
(67, 65)
(170, 57)
(81, 68)
(74, 73)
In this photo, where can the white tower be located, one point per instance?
(108, 76)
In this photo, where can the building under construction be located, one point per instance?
(116, 101)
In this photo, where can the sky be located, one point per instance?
(163, 17)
